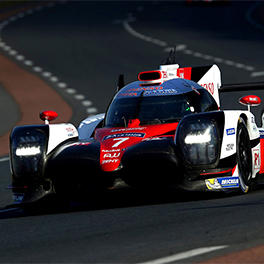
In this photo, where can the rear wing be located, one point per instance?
(241, 87)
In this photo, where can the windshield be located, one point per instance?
(157, 109)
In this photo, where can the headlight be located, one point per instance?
(29, 145)
(199, 137)
(28, 148)
(28, 151)
(198, 141)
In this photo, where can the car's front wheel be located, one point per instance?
(244, 156)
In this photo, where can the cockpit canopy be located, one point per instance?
(165, 103)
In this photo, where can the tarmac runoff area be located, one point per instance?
(23, 96)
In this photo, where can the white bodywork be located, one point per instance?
(211, 81)
(229, 140)
(88, 125)
(58, 133)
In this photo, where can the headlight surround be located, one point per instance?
(198, 139)
(28, 148)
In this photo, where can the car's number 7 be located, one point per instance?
(119, 141)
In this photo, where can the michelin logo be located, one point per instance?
(229, 182)
(212, 184)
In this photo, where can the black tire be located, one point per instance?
(244, 156)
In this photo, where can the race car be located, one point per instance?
(165, 129)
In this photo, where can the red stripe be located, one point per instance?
(219, 172)
(233, 170)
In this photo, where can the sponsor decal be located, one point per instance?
(111, 155)
(165, 76)
(128, 94)
(127, 129)
(149, 88)
(181, 72)
(81, 144)
(212, 184)
(229, 182)
(230, 147)
(261, 133)
(110, 150)
(209, 87)
(18, 197)
(154, 138)
(119, 135)
(252, 119)
(256, 155)
(230, 131)
(161, 92)
(71, 131)
(109, 161)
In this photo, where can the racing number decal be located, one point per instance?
(120, 140)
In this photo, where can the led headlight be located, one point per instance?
(198, 137)
(28, 148)
(28, 151)
(29, 145)
(198, 141)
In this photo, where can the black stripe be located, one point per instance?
(170, 133)
(228, 162)
(254, 142)
(199, 72)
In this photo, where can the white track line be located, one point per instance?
(4, 159)
(8, 210)
(136, 34)
(21, 58)
(184, 255)
(257, 74)
(181, 47)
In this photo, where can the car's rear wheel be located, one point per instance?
(244, 156)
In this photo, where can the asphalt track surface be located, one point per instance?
(87, 44)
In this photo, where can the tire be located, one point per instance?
(244, 156)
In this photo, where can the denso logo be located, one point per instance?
(111, 155)
(209, 87)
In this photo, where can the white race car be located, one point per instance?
(165, 129)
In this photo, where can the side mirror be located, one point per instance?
(48, 116)
(250, 100)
